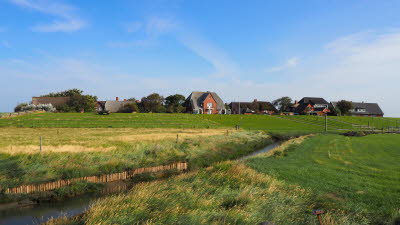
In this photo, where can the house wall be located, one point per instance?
(55, 101)
(210, 99)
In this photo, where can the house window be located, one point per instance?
(361, 110)
(209, 105)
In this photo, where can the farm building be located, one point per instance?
(111, 106)
(365, 109)
(205, 103)
(311, 106)
(55, 101)
(252, 107)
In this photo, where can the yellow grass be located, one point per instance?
(26, 140)
(286, 144)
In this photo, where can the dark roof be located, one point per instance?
(197, 97)
(313, 100)
(370, 108)
(253, 106)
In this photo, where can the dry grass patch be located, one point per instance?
(285, 145)
(33, 149)
(26, 140)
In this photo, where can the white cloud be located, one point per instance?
(360, 67)
(67, 20)
(292, 62)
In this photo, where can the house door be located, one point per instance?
(210, 111)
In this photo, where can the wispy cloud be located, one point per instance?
(131, 44)
(221, 62)
(292, 62)
(152, 26)
(67, 18)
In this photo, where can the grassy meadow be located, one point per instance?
(283, 124)
(76, 152)
(356, 180)
(358, 174)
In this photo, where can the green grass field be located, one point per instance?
(281, 124)
(358, 174)
(146, 120)
(114, 120)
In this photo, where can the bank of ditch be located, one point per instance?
(19, 169)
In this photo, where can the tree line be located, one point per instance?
(156, 103)
(79, 102)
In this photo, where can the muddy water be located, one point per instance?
(39, 213)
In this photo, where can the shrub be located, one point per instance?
(19, 107)
(31, 107)
(130, 108)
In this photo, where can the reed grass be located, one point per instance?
(227, 193)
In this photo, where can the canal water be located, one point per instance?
(40, 213)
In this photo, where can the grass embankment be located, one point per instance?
(372, 122)
(227, 193)
(355, 179)
(114, 120)
(153, 120)
(360, 175)
(69, 153)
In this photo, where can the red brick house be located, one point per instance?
(311, 106)
(205, 103)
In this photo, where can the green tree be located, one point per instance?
(174, 103)
(67, 93)
(19, 107)
(77, 101)
(344, 106)
(130, 108)
(283, 103)
(152, 103)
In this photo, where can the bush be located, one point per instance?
(31, 107)
(19, 107)
(130, 108)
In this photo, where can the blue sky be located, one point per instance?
(241, 49)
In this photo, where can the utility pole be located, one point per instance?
(326, 122)
(41, 144)
(239, 107)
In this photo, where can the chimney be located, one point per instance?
(255, 100)
(116, 98)
(295, 102)
(125, 100)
